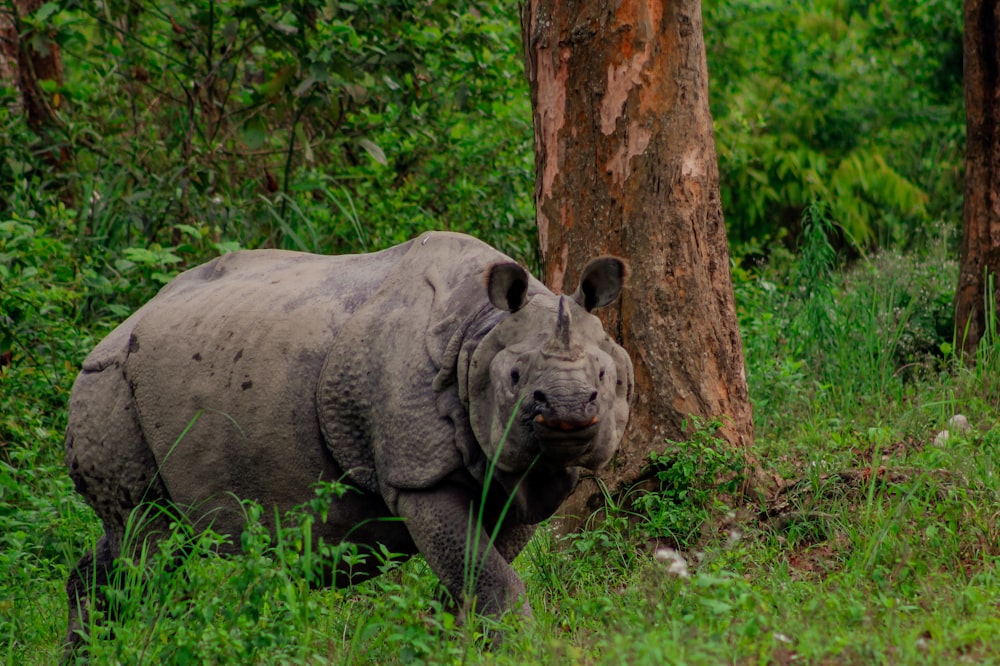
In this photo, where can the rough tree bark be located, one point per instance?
(8, 44)
(980, 253)
(29, 59)
(626, 165)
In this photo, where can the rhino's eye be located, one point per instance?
(515, 376)
(600, 377)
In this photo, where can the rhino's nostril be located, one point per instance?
(540, 397)
(593, 396)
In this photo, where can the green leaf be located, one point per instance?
(254, 132)
(374, 151)
(46, 10)
(278, 82)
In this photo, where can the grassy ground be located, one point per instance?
(876, 543)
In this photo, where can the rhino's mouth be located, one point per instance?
(565, 440)
(568, 427)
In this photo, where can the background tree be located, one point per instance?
(626, 164)
(8, 45)
(30, 58)
(978, 292)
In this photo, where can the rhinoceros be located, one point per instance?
(417, 375)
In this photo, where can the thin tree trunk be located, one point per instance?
(8, 44)
(626, 165)
(979, 265)
(36, 60)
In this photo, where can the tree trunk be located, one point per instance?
(27, 60)
(980, 254)
(626, 165)
(8, 45)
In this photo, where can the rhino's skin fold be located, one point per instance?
(403, 372)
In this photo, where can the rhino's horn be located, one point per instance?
(563, 322)
(561, 346)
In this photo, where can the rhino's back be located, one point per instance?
(275, 283)
(279, 284)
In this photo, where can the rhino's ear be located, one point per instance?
(508, 286)
(601, 282)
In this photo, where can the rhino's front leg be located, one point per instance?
(439, 520)
(513, 537)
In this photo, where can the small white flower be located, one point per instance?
(959, 425)
(676, 564)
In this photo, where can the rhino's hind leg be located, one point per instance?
(114, 470)
(91, 574)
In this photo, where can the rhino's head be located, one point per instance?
(547, 382)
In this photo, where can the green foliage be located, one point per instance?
(42, 307)
(313, 125)
(179, 602)
(858, 104)
(349, 126)
(693, 477)
(43, 526)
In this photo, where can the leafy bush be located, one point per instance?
(42, 299)
(693, 478)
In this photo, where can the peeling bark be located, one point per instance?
(980, 252)
(626, 165)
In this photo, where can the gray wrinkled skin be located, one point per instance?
(262, 372)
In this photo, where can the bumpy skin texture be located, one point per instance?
(403, 373)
